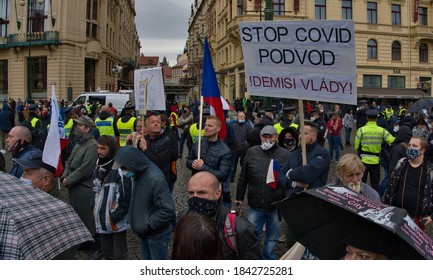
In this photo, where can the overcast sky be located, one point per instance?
(162, 26)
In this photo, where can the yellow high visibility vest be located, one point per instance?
(193, 131)
(368, 142)
(68, 127)
(105, 127)
(125, 129)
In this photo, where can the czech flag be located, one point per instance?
(271, 177)
(210, 90)
(56, 138)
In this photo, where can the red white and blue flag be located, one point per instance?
(56, 138)
(271, 177)
(210, 90)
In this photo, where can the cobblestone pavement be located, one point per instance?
(180, 199)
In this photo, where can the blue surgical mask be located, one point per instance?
(128, 174)
(241, 121)
(412, 153)
(28, 181)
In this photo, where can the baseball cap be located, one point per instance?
(269, 129)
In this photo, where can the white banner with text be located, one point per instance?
(309, 60)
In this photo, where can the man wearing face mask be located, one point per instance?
(18, 143)
(77, 177)
(257, 173)
(410, 184)
(204, 197)
(215, 156)
(41, 176)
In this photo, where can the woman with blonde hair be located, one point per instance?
(348, 174)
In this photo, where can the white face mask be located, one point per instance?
(396, 128)
(267, 144)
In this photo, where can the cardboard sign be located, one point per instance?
(149, 82)
(309, 60)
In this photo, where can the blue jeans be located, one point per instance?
(334, 145)
(156, 247)
(348, 130)
(182, 142)
(273, 227)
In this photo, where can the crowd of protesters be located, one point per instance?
(121, 169)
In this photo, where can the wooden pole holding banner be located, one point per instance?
(303, 144)
(200, 127)
(144, 82)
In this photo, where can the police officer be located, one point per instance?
(193, 133)
(33, 120)
(401, 111)
(105, 123)
(287, 119)
(368, 143)
(68, 121)
(126, 124)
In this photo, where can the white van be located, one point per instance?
(117, 99)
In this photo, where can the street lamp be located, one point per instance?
(117, 70)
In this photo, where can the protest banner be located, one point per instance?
(149, 90)
(309, 60)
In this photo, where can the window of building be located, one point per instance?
(37, 17)
(92, 19)
(396, 14)
(279, 7)
(240, 7)
(372, 49)
(396, 81)
(346, 9)
(423, 53)
(422, 16)
(396, 51)
(3, 76)
(38, 77)
(371, 12)
(372, 81)
(4, 17)
(320, 9)
(89, 74)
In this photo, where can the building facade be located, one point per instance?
(75, 44)
(394, 40)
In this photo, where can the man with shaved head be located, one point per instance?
(204, 197)
(18, 144)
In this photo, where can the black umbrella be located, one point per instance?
(421, 104)
(322, 218)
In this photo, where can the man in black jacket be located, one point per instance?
(157, 146)
(204, 197)
(258, 164)
(215, 156)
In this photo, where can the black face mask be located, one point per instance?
(20, 144)
(203, 206)
(289, 142)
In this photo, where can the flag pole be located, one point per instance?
(145, 82)
(303, 144)
(200, 127)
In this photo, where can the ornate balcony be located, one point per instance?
(33, 39)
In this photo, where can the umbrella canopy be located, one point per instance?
(322, 218)
(421, 104)
(33, 224)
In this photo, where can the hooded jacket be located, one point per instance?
(6, 119)
(152, 207)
